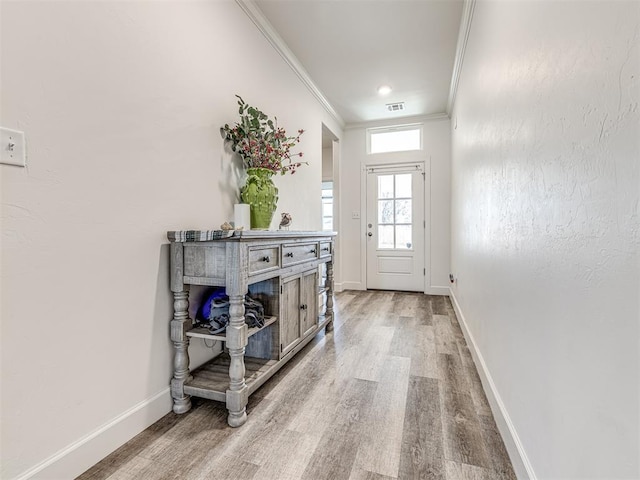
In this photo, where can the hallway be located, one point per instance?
(391, 393)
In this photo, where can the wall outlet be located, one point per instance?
(12, 151)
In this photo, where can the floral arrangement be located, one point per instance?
(260, 142)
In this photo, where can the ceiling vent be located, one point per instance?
(395, 107)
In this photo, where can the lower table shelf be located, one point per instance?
(211, 380)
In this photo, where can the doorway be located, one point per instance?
(329, 180)
(330, 196)
(395, 227)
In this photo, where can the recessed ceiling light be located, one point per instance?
(384, 90)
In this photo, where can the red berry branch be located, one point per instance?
(260, 142)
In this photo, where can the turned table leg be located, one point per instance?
(238, 393)
(179, 325)
(329, 309)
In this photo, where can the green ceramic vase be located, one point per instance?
(261, 194)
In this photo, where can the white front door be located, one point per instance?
(395, 227)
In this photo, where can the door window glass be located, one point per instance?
(394, 212)
(385, 186)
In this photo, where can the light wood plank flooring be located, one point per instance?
(392, 393)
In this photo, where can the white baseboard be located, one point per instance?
(349, 286)
(339, 287)
(517, 454)
(437, 291)
(90, 449)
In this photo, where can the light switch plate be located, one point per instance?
(12, 150)
(355, 215)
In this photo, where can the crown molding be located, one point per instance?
(250, 8)
(463, 38)
(397, 121)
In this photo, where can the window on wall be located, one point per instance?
(327, 206)
(394, 139)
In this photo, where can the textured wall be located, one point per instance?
(545, 239)
(121, 103)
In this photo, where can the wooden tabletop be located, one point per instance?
(209, 235)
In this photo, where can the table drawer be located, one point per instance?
(299, 253)
(325, 249)
(263, 259)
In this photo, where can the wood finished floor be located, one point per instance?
(392, 393)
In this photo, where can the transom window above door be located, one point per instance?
(403, 138)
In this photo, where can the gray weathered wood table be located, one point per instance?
(281, 270)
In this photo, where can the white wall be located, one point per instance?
(121, 103)
(327, 164)
(545, 238)
(436, 156)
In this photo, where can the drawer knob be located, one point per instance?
(266, 259)
(325, 249)
(303, 307)
(314, 251)
(289, 254)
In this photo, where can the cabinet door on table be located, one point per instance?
(308, 302)
(290, 314)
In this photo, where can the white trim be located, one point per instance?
(428, 257)
(340, 287)
(437, 291)
(337, 218)
(390, 122)
(517, 454)
(363, 225)
(463, 38)
(252, 11)
(82, 454)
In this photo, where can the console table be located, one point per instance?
(280, 269)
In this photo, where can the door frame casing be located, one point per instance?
(404, 159)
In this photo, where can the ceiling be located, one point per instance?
(351, 47)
